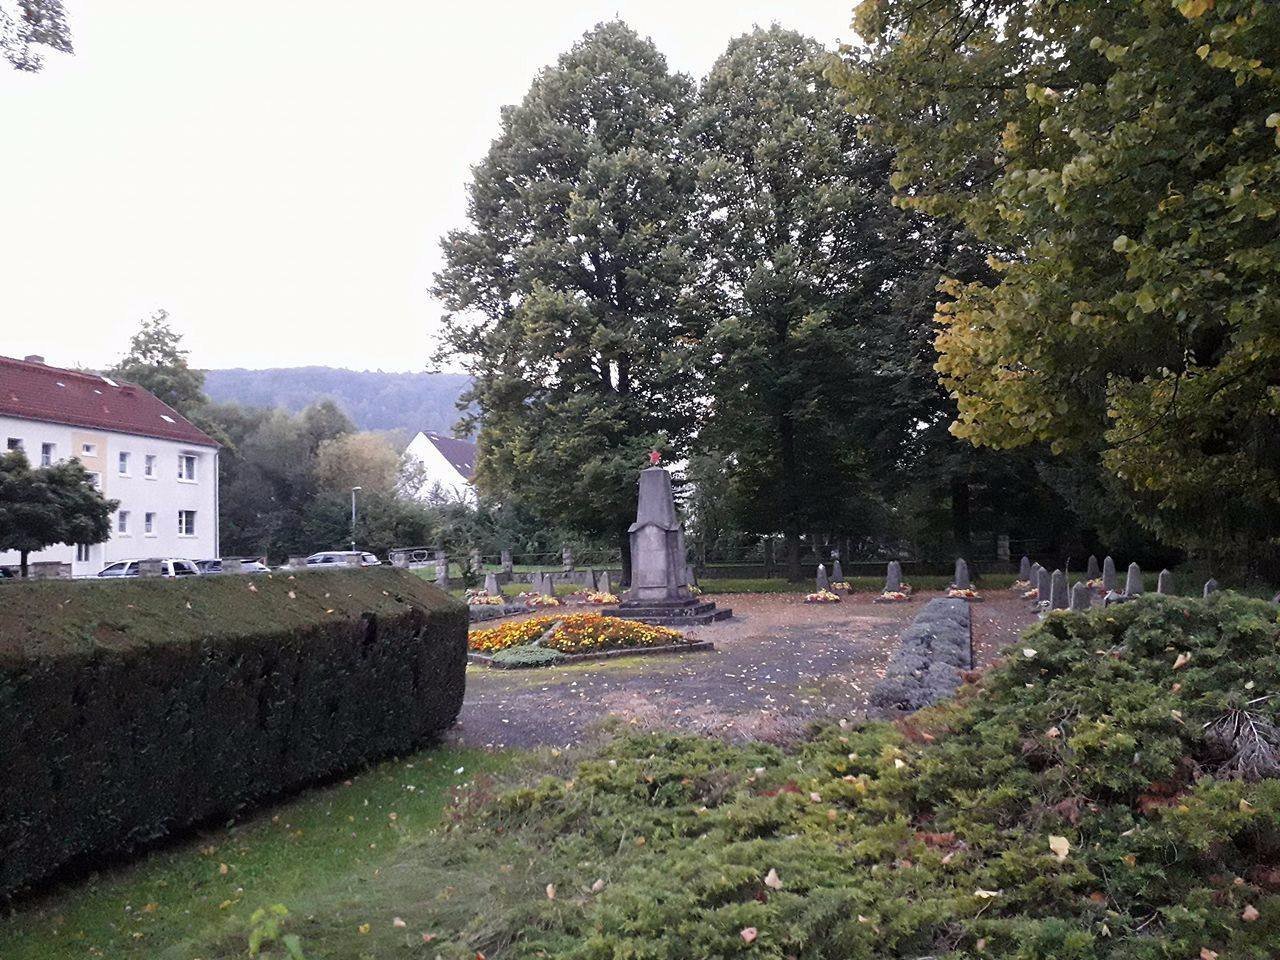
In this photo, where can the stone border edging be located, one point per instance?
(570, 658)
(934, 649)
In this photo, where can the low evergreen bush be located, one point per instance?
(129, 709)
(528, 657)
(1107, 792)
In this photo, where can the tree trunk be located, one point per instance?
(624, 549)
(792, 540)
(22, 564)
(960, 514)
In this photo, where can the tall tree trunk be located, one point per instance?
(624, 548)
(792, 540)
(960, 520)
(22, 564)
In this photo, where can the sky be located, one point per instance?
(277, 174)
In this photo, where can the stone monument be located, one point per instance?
(491, 585)
(1058, 599)
(837, 574)
(1164, 583)
(893, 577)
(1210, 587)
(1024, 569)
(823, 581)
(660, 583)
(1080, 598)
(961, 579)
(1091, 571)
(1133, 585)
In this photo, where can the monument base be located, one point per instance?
(682, 612)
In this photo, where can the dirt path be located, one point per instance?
(778, 665)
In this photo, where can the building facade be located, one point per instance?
(161, 467)
(445, 467)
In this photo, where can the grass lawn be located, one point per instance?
(203, 889)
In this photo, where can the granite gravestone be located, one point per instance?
(1058, 591)
(1109, 575)
(1024, 569)
(1210, 587)
(837, 574)
(1133, 581)
(893, 577)
(1044, 585)
(1080, 599)
(822, 581)
(961, 579)
(1164, 583)
(491, 584)
(1091, 570)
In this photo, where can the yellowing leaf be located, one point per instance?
(987, 894)
(1060, 846)
(551, 891)
(772, 881)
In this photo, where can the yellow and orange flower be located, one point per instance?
(578, 633)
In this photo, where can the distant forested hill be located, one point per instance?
(373, 399)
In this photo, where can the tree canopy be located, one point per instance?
(44, 506)
(157, 362)
(36, 24)
(564, 294)
(1121, 161)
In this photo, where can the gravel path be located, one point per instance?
(778, 665)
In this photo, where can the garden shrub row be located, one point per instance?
(926, 667)
(131, 709)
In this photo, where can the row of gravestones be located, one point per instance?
(893, 576)
(543, 583)
(1052, 594)
(425, 556)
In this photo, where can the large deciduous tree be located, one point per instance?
(1122, 161)
(564, 292)
(49, 505)
(801, 244)
(28, 25)
(157, 362)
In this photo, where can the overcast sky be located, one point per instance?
(277, 174)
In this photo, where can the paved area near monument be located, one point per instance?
(778, 665)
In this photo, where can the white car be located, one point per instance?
(342, 558)
(170, 567)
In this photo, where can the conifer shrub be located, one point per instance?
(129, 709)
(1106, 792)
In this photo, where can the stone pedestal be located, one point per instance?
(660, 577)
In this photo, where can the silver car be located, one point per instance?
(169, 567)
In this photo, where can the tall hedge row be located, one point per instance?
(130, 709)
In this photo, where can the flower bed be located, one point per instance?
(967, 593)
(822, 596)
(594, 598)
(539, 600)
(578, 633)
(478, 598)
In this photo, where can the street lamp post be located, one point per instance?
(353, 516)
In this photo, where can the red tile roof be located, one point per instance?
(35, 391)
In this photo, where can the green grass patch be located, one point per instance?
(331, 839)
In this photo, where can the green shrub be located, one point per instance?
(528, 657)
(130, 709)
(1068, 806)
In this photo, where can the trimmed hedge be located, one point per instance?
(129, 709)
(926, 667)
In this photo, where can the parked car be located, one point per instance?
(170, 567)
(247, 565)
(340, 557)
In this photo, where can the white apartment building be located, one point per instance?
(161, 467)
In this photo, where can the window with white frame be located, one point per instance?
(95, 480)
(88, 449)
(186, 523)
(122, 523)
(82, 552)
(15, 443)
(48, 452)
(149, 524)
(149, 466)
(122, 461)
(187, 467)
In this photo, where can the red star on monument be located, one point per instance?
(655, 458)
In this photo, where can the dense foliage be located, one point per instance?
(1109, 791)
(136, 707)
(564, 292)
(43, 506)
(30, 25)
(1121, 160)
(373, 399)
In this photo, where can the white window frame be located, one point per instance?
(122, 463)
(82, 552)
(88, 449)
(14, 443)
(48, 454)
(149, 466)
(186, 529)
(185, 459)
(95, 479)
(149, 524)
(122, 523)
